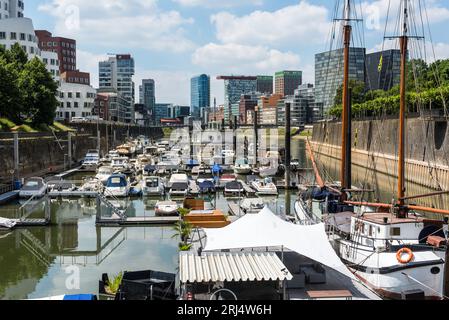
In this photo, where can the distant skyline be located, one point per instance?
(174, 40)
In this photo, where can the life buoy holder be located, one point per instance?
(405, 252)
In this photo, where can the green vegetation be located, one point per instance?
(27, 90)
(7, 124)
(60, 127)
(183, 230)
(306, 133)
(113, 286)
(167, 132)
(427, 87)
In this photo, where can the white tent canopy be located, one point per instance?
(265, 229)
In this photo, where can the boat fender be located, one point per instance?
(408, 253)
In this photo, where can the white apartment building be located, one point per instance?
(51, 61)
(19, 30)
(11, 9)
(75, 100)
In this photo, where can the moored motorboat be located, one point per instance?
(234, 189)
(104, 173)
(166, 208)
(34, 187)
(153, 186)
(265, 187)
(242, 166)
(117, 186)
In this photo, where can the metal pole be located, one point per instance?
(348, 163)
(16, 155)
(287, 157)
(256, 135)
(69, 143)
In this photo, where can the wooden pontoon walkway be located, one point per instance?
(132, 221)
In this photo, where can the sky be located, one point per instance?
(173, 40)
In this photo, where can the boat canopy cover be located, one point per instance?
(318, 194)
(265, 229)
(216, 168)
(207, 184)
(192, 163)
(117, 181)
(82, 297)
(234, 185)
(149, 168)
(238, 266)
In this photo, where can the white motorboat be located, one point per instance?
(268, 171)
(178, 177)
(117, 186)
(142, 162)
(224, 179)
(179, 189)
(252, 205)
(242, 166)
(92, 185)
(166, 208)
(265, 187)
(33, 187)
(104, 173)
(62, 188)
(120, 164)
(7, 223)
(153, 186)
(234, 189)
(91, 160)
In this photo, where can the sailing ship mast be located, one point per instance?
(345, 155)
(401, 166)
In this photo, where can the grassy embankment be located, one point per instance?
(7, 125)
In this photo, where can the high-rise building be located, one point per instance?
(11, 9)
(162, 111)
(265, 84)
(235, 86)
(199, 94)
(64, 47)
(246, 106)
(383, 69)
(286, 82)
(148, 94)
(329, 73)
(117, 72)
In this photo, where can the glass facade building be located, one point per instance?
(117, 72)
(385, 74)
(265, 84)
(199, 94)
(148, 95)
(329, 73)
(287, 82)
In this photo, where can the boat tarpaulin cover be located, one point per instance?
(265, 229)
(225, 266)
(81, 297)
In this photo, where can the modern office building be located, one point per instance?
(11, 9)
(117, 73)
(111, 104)
(246, 106)
(147, 92)
(234, 87)
(303, 109)
(267, 110)
(199, 95)
(286, 82)
(265, 84)
(162, 111)
(329, 73)
(383, 69)
(75, 100)
(64, 47)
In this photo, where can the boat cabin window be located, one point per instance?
(395, 231)
(32, 184)
(371, 231)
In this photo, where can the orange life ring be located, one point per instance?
(406, 251)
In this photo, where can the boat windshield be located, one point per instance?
(116, 182)
(152, 183)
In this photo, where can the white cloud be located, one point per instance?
(302, 23)
(237, 58)
(218, 3)
(120, 24)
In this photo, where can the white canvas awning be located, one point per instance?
(224, 266)
(265, 229)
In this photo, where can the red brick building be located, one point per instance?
(64, 47)
(101, 106)
(76, 77)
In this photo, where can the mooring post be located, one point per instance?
(47, 209)
(16, 155)
(287, 157)
(234, 139)
(69, 151)
(256, 135)
(107, 139)
(99, 140)
(223, 140)
(446, 272)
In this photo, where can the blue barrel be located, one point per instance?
(17, 184)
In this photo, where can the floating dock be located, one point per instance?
(9, 196)
(248, 190)
(133, 221)
(73, 194)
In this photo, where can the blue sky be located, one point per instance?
(172, 40)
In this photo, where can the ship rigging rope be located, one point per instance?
(425, 286)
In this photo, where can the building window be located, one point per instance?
(69, 95)
(75, 104)
(13, 36)
(2, 35)
(68, 105)
(22, 36)
(78, 95)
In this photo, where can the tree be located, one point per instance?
(10, 96)
(358, 92)
(16, 56)
(39, 92)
